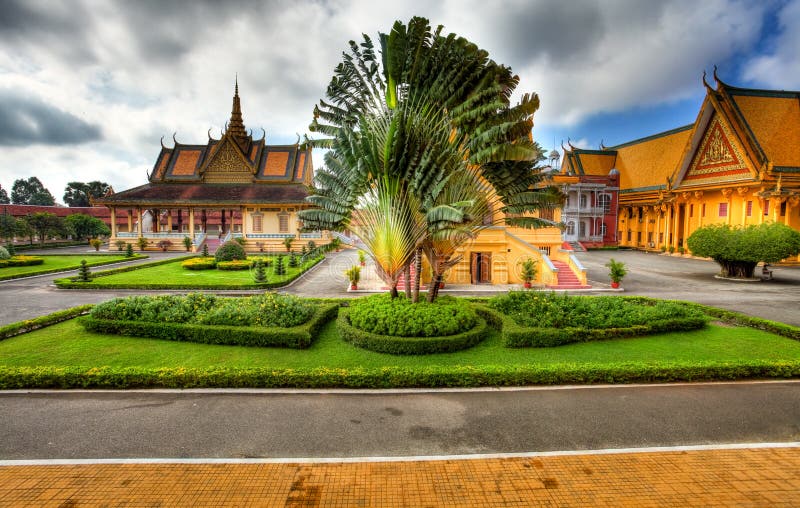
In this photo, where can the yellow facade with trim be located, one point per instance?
(737, 164)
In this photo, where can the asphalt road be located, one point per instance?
(75, 425)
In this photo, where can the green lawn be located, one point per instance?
(58, 263)
(69, 345)
(173, 275)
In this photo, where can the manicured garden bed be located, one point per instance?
(66, 356)
(263, 320)
(531, 318)
(62, 263)
(170, 274)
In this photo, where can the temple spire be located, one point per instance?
(236, 124)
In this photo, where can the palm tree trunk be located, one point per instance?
(417, 269)
(393, 291)
(433, 290)
(407, 277)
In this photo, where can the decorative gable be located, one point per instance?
(228, 165)
(718, 159)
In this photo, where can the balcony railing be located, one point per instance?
(584, 210)
(270, 235)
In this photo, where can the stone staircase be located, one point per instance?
(213, 244)
(577, 247)
(566, 277)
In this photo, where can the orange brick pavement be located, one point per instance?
(740, 477)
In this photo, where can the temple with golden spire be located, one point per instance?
(234, 186)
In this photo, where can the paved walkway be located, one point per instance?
(733, 477)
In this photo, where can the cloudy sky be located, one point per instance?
(87, 88)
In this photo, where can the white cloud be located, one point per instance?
(781, 67)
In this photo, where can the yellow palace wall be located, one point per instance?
(651, 227)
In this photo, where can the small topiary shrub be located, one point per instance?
(4, 253)
(293, 261)
(205, 250)
(259, 274)
(237, 264)
(129, 250)
(199, 263)
(380, 314)
(230, 251)
(84, 275)
(279, 269)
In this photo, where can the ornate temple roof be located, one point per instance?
(234, 168)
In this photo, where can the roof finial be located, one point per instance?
(235, 126)
(236, 87)
(705, 83)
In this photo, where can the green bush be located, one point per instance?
(546, 320)
(199, 263)
(187, 243)
(399, 317)
(738, 249)
(299, 336)
(230, 251)
(129, 251)
(279, 268)
(4, 253)
(28, 325)
(239, 264)
(393, 344)
(269, 309)
(21, 261)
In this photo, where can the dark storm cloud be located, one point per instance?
(62, 28)
(566, 31)
(27, 120)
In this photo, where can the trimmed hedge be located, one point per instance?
(21, 261)
(400, 317)
(237, 264)
(298, 337)
(199, 263)
(67, 269)
(387, 377)
(409, 345)
(515, 335)
(29, 325)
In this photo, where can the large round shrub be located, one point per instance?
(230, 251)
(738, 250)
(4, 253)
(380, 314)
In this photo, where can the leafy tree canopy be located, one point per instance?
(46, 224)
(31, 192)
(85, 226)
(4, 200)
(80, 193)
(738, 249)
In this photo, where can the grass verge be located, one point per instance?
(169, 274)
(65, 356)
(62, 263)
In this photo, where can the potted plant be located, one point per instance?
(681, 250)
(96, 243)
(354, 275)
(287, 242)
(528, 272)
(616, 271)
(121, 245)
(142, 241)
(187, 242)
(164, 245)
(362, 258)
(671, 249)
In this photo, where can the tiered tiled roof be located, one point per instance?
(234, 168)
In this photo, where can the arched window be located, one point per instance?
(570, 228)
(604, 201)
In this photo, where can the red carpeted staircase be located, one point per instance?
(401, 282)
(213, 244)
(566, 278)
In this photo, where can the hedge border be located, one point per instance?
(57, 270)
(409, 345)
(296, 337)
(68, 283)
(515, 335)
(30, 325)
(386, 377)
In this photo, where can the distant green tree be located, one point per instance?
(24, 230)
(83, 226)
(8, 226)
(739, 249)
(31, 192)
(4, 197)
(46, 224)
(80, 193)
